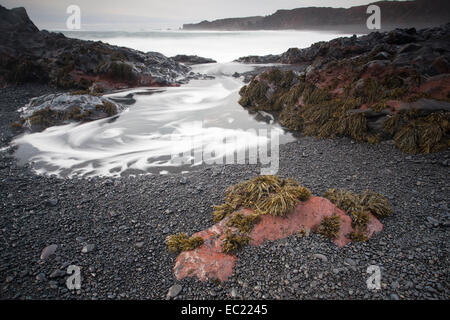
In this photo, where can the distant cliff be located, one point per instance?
(418, 13)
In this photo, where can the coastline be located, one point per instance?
(127, 219)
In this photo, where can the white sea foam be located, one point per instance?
(202, 114)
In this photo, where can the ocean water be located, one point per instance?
(223, 46)
(201, 117)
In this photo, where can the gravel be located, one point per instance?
(127, 219)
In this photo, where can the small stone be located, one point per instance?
(320, 256)
(88, 248)
(395, 297)
(234, 293)
(139, 244)
(41, 277)
(48, 251)
(174, 291)
(395, 285)
(350, 262)
(51, 202)
(433, 221)
(53, 284)
(57, 274)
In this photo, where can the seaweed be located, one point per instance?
(424, 134)
(357, 236)
(181, 242)
(329, 226)
(263, 194)
(233, 242)
(375, 203)
(243, 223)
(121, 71)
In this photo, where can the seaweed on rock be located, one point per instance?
(330, 226)
(234, 242)
(308, 104)
(181, 242)
(263, 194)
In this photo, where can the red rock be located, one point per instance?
(437, 87)
(208, 261)
(308, 215)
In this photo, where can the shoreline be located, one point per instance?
(127, 219)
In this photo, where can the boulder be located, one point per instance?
(61, 108)
(209, 262)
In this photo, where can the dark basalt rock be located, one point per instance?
(61, 108)
(383, 86)
(190, 60)
(30, 55)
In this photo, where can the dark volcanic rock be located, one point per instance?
(418, 13)
(189, 60)
(56, 109)
(30, 55)
(382, 86)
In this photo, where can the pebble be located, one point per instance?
(320, 256)
(174, 290)
(88, 248)
(48, 251)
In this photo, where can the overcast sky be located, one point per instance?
(150, 14)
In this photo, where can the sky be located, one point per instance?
(143, 15)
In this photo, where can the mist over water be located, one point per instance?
(201, 115)
(222, 46)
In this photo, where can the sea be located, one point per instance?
(176, 129)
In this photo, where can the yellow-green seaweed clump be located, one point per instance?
(358, 236)
(329, 226)
(358, 207)
(422, 134)
(233, 242)
(376, 203)
(369, 200)
(243, 223)
(181, 242)
(263, 194)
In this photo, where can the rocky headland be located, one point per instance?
(395, 14)
(30, 55)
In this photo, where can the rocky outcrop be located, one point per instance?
(191, 60)
(62, 108)
(208, 262)
(418, 13)
(272, 208)
(30, 55)
(382, 86)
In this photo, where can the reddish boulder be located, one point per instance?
(208, 261)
